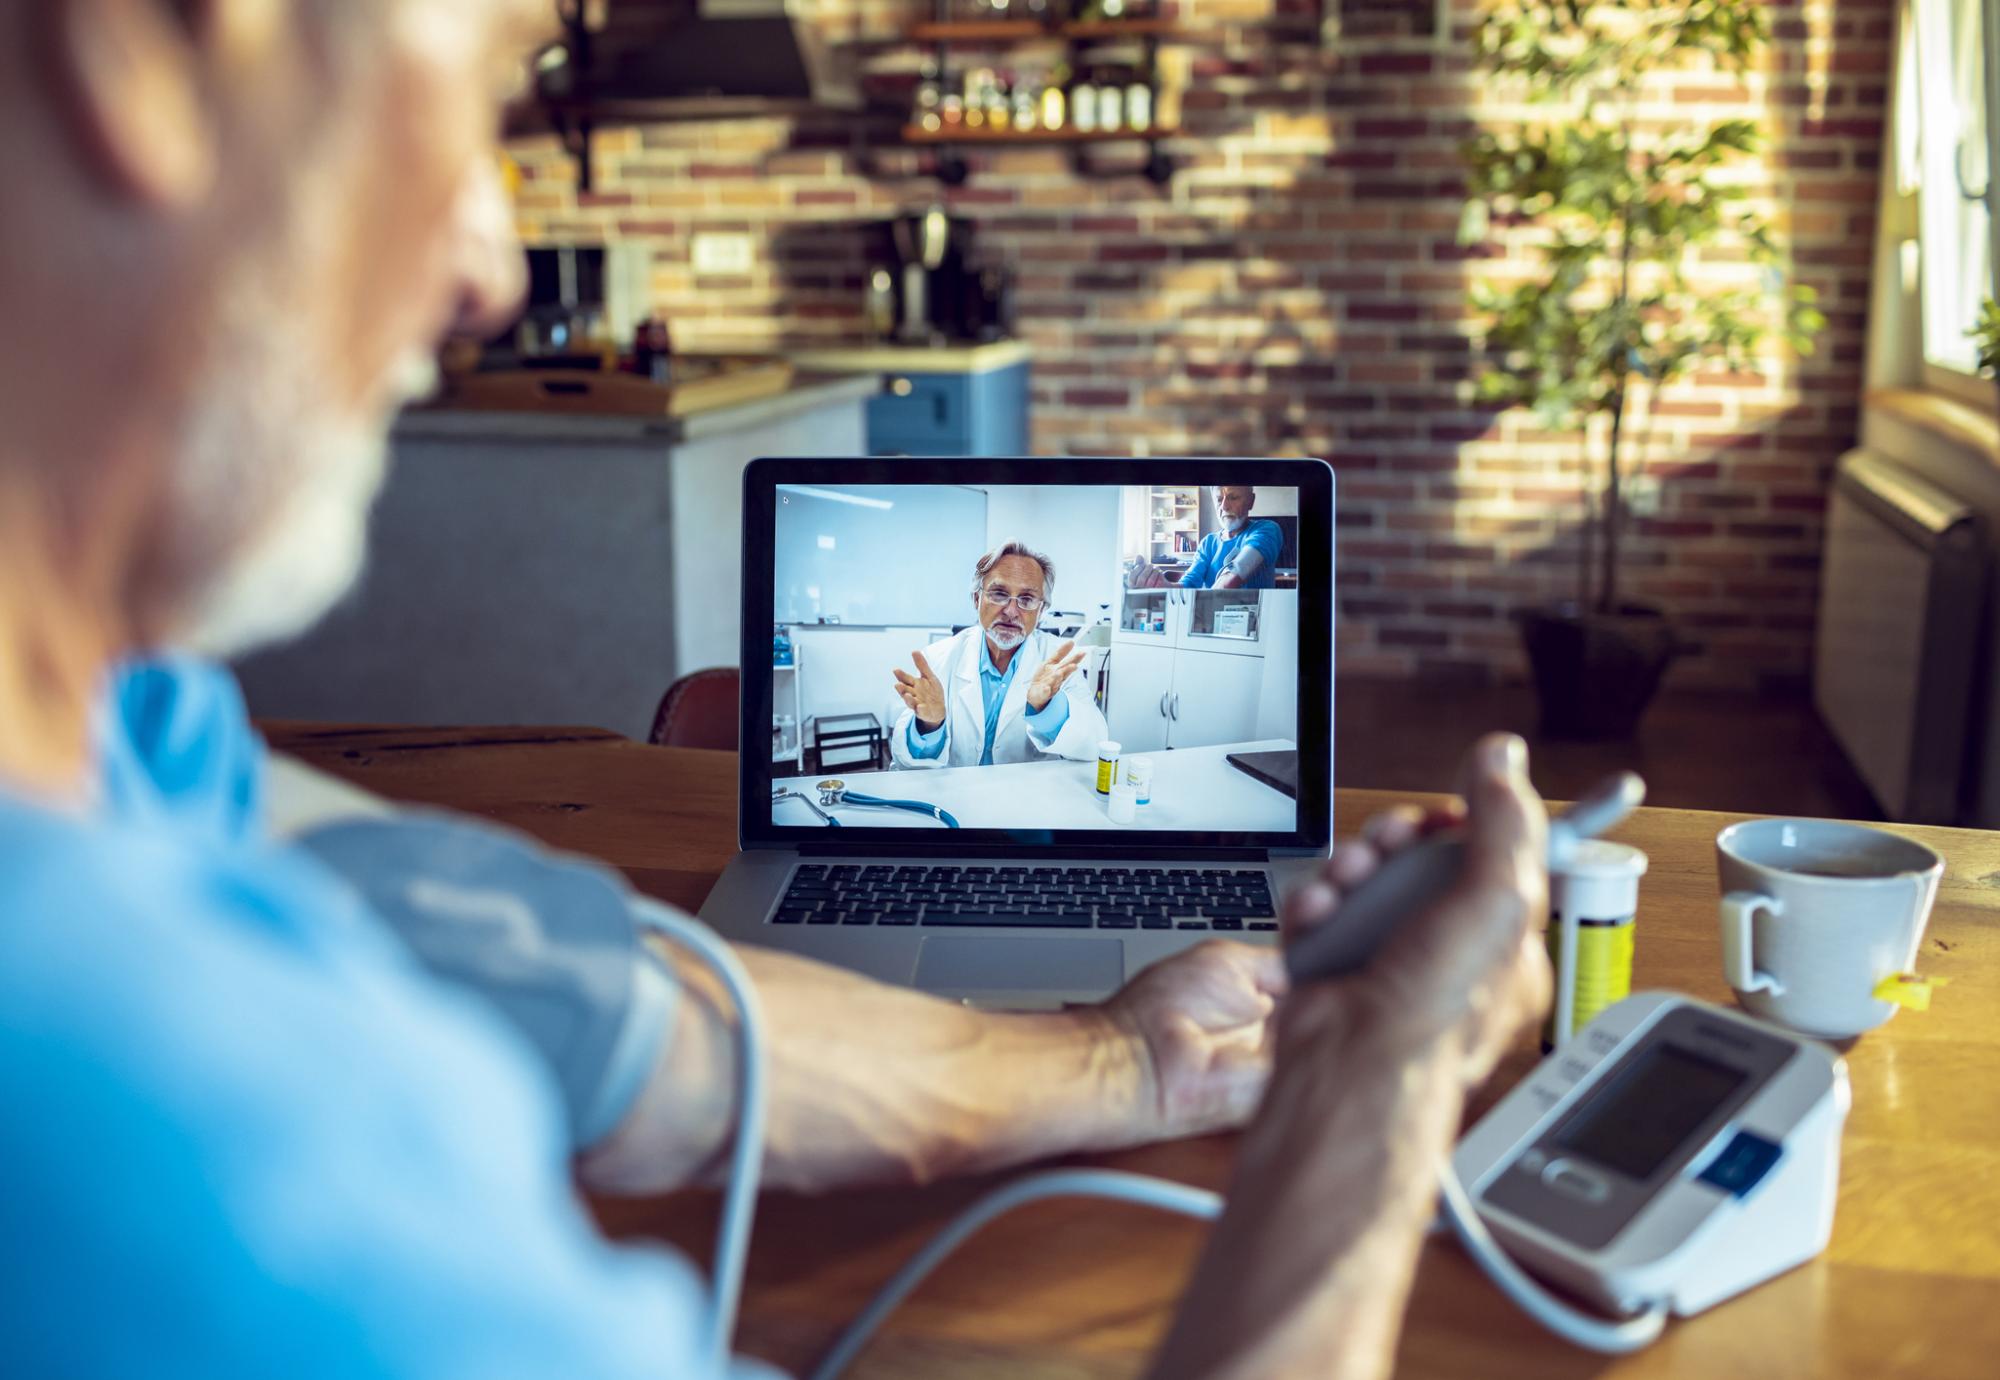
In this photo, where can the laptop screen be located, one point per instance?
(1039, 660)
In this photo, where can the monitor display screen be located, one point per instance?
(998, 656)
(1636, 1122)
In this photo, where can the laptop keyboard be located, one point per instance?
(1063, 898)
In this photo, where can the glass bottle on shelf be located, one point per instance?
(926, 114)
(1027, 106)
(999, 103)
(1083, 106)
(975, 96)
(1110, 103)
(1139, 100)
(1055, 99)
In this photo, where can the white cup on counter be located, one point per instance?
(1816, 914)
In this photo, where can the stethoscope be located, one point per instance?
(834, 792)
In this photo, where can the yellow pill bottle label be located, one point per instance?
(1603, 969)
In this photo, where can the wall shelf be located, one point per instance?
(1034, 31)
(986, 134)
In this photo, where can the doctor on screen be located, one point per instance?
(999, 691)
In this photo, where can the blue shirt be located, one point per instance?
(1045, 723)
(245, 1135)
(1218, 553)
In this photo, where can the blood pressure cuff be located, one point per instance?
(549, 942)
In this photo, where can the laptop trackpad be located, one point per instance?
(1000, 963)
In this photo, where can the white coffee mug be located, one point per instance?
(1815, 914)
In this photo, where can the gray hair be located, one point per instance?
(984, 567)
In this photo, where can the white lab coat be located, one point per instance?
(956, 662)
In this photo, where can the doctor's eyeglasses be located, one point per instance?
(1027, 600)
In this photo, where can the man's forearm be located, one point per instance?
(1309, 1269)
(870, 1083)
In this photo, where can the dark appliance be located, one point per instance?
(943, 295)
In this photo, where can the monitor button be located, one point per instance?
(1569, 1179)
(1742, 1164)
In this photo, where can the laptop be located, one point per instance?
(1046, 802)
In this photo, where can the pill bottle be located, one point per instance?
(1107, 766)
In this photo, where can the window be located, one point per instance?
(1941, 101)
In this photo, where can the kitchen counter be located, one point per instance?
(810, 389)
(917, 359)
(551, 567)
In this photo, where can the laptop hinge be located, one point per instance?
(1039, 853)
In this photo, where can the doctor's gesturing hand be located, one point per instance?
(1049, 677)
(924, 693)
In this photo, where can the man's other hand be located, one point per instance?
(1049, 677)
(923, 693)
(1200, 1023)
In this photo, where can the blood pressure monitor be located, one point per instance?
(1671, 1153)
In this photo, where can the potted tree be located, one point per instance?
(1986, 335)
(1617, 209)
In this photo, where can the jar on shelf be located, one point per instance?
(1027, 106)
(1110, 104)
(1083, 106)
(1139, 105)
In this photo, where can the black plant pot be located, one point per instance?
(1595, 673)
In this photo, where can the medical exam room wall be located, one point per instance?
(844, 670)
(1300, 287)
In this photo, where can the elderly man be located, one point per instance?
(247, 1133)
(1002, 691)
(1244, 554)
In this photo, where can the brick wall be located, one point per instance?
(1299, 289)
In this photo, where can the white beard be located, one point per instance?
(266, 519)
(1005, 639)
(284, 486)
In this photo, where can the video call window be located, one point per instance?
(1006, 656)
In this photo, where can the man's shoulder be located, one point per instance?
(92, 909)
(1265, 530)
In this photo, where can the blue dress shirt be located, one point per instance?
(1045, 723)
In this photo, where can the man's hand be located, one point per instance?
(1307, 1272)
(1049, 677)
(923, 692)
(1468, 974)
(1200, 1023)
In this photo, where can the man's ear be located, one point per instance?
(129, 75)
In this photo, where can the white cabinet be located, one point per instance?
(1199, 680)
(1214, 699)
(1142, 684)
(1232, 622)
(1146, 616)
(1235, 622)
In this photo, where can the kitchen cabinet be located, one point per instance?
(538, 568)
(948, 401)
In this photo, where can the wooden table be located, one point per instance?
(1909, 1287)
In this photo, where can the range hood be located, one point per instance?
(694, 59)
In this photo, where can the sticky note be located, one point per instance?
(1908, 989)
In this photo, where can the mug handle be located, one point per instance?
(1739, 968)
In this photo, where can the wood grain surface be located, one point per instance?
(1910, 1285)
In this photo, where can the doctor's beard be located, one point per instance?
(1005, 639)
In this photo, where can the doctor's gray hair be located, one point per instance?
(984, 567)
